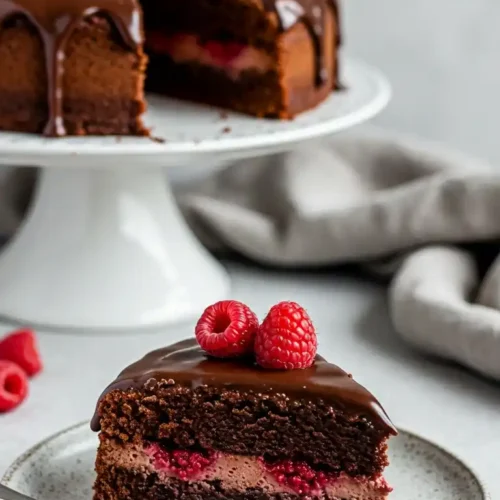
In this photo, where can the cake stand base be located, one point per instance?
(106, 248)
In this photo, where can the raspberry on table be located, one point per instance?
(21, 348)
(227, 329)
(286, 339)
(13, 385)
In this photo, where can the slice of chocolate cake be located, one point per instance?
(181, 424)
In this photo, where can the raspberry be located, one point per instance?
(224, 53)
(286, 340)
(20, 347)
(13, 386)
(183, 464)
(227, 329)
(298, 476)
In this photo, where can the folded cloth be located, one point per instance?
(403, 208)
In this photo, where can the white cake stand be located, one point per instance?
(104, 245)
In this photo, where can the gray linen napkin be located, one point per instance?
(401, 207)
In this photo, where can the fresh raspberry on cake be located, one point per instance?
(21, 348)
(286, 340)
(13, 386)
(227, 329)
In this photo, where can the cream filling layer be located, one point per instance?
(230, 57)
(242, 472)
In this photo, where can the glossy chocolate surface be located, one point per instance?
(55, 21)
(186, 364)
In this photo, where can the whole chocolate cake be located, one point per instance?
(276, 422)
(76, 67)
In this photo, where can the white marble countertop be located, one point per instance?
(445, 403)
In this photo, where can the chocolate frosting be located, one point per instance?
(55, 20)
(186, 364)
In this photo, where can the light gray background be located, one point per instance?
(443, 59)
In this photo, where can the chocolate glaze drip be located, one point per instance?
(186, 364)
(55, 21)
(312, 14)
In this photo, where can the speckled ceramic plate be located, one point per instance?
(62, 468)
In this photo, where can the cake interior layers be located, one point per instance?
(147, 470)
(235, 422)
(234, 55)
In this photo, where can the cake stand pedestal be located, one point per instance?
(104, 246)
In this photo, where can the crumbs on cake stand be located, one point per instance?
(153, 138)
(159, 140)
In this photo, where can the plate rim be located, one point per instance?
(21, 459)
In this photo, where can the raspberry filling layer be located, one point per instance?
(229, 56)
(298, 476)
(180, 463)
(242, 472)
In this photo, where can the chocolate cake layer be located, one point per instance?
(116, 483)
(253, 93)
(81, 117)
(75, 63)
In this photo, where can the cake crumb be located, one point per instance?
(159, 140)
(226, 130)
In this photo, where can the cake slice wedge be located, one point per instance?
(181, 424)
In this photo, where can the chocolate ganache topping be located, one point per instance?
(186, 364)
(55, 21)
